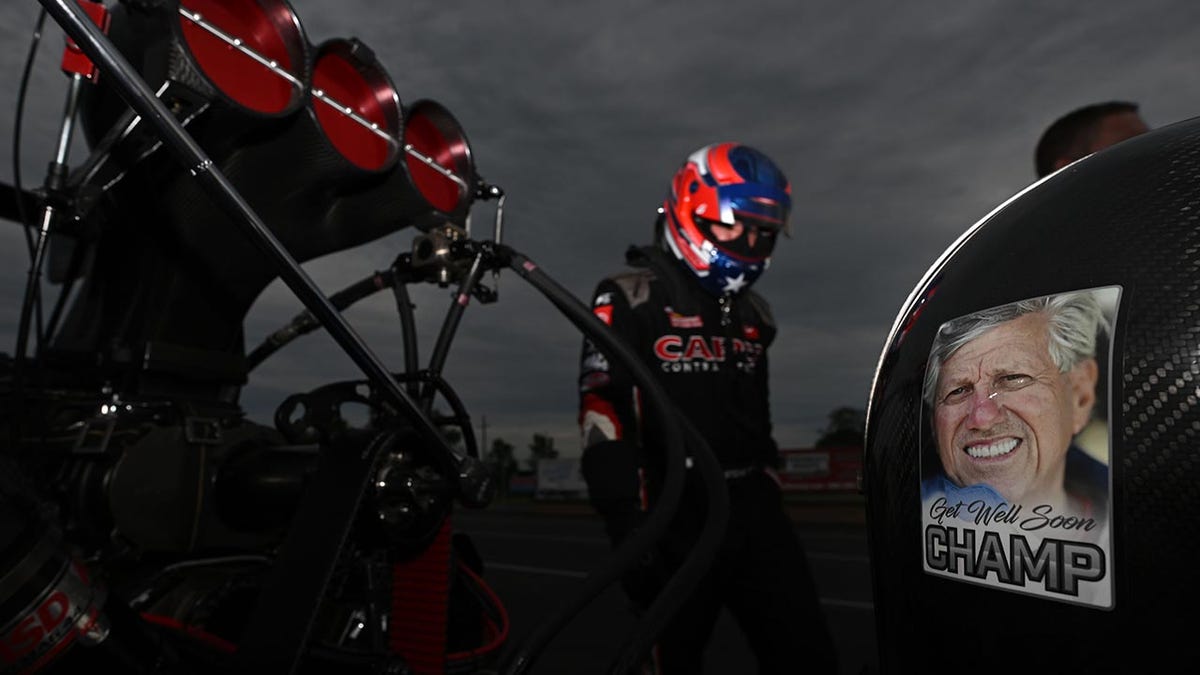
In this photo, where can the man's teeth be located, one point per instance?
(992, 449)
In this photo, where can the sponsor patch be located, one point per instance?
(681, 321)
(751, 332)
(700, 354)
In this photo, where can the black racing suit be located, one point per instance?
(710, 355)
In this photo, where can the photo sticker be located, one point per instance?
(1015, 479)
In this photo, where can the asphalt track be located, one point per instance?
(536, 557)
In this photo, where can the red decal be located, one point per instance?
(696, 346)
(666, 348)
(32, 630)
(751, 332)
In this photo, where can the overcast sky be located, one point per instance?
(899, 125)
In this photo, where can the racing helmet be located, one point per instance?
(725, 208)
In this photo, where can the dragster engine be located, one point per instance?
(147, 524)
(137, 493)
(310, 136)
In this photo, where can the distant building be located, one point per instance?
(826, 469)
(560, 478)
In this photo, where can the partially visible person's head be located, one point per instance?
(1085, 130)
(1009, 387)
(725, 208)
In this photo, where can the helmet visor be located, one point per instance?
(751, 218)
(749, 238)
(767, 207)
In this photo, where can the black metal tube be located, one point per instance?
(450, 325)
(138, 96)
(54, 183)
(638, 543)
(31, 300)
(459, 412)
(408, 335)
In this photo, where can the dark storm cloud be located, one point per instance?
(900, 125)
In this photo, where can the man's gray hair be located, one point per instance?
(1075, 321)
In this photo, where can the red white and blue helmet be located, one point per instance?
(724, 185)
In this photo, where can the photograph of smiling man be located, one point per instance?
(1010, 498)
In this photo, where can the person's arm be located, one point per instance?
(608, 420)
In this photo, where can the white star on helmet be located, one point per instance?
(734, 284)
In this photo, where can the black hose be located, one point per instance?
(304, 322)
(641, 638)
(638, 543)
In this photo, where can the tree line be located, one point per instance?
(502, 460)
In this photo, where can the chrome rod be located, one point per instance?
(237, 44)
(349, 112)
(408, 147)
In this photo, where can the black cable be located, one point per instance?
(31, 247)
(21, 91)
(637, 544)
